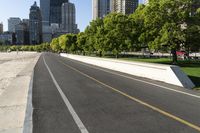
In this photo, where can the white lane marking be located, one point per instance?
(76, 118)
(167, 88)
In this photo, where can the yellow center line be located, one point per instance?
(138, 100)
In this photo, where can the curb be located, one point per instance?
(28, 122)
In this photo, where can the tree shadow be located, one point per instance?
(195, 80)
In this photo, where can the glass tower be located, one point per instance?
(124, 6)
(51, 11)
(100, 8)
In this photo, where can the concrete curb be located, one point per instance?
(28, 122)
(166, 73)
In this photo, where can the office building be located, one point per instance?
(69, 18)
(26, 21)
(51, 11)
(35, 25)
(1, 28)
(100, 8)
(12, 22)
(124, 6)
(46, 33)
(8, 38)
(22, 33)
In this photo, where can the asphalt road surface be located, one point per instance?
(73, 97)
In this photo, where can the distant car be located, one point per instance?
(182, 55)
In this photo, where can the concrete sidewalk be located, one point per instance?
(13, 100)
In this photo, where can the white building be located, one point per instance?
(124, 6)
(12, 22)
(100, 8)
(69, 18)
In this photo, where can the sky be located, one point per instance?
(20, 8)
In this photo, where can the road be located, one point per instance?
(72, 97)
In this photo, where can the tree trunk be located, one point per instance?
(174, 57)
(100, 54)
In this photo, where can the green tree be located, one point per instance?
(163, 23)
(118, 29)
(81, 42)
(55, 45)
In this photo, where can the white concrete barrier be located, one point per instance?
(165, 73)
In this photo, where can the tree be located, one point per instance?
(81, 42)
(55, 45)
(62, 42)
(91, 34)
(137, 35)
(163, 23)
(117, 28)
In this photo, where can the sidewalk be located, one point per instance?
(13, 96)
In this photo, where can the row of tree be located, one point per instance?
(37, 48)
(160, 25)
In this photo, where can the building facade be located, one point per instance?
(1, 28)
(8, 38)
(51, 11)
(35, 25)
(124, 6)
(12, 22)
(100, 8)
(22, 33)
(69, 18)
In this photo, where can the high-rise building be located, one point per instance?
(35, 25)
(7, 38)
(12, 22)
(26, 21)
(1, 28)
(69, 18)
(100, 8)
(124, 6)
(51, 11)
(22, 33)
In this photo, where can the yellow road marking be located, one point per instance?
(138, 101)
(128, 77)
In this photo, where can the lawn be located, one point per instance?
(191, 68)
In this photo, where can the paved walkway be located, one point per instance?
(15, 70)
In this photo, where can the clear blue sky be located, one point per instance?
(20, 8)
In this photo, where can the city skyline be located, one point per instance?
(83, 9)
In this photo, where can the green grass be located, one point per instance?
(191, 68)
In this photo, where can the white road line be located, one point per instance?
(167, 88)
(76, 118)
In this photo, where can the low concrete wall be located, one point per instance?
(165, 73)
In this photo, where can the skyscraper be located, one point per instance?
(22, 33)
(100, 8)
(69, 18)
(35, 25)
(12, 22)
(1, 28)
(124, 6)
(51, 11)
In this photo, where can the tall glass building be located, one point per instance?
(51, 11)
(100, 8)
(124, 6)
(35, 25)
